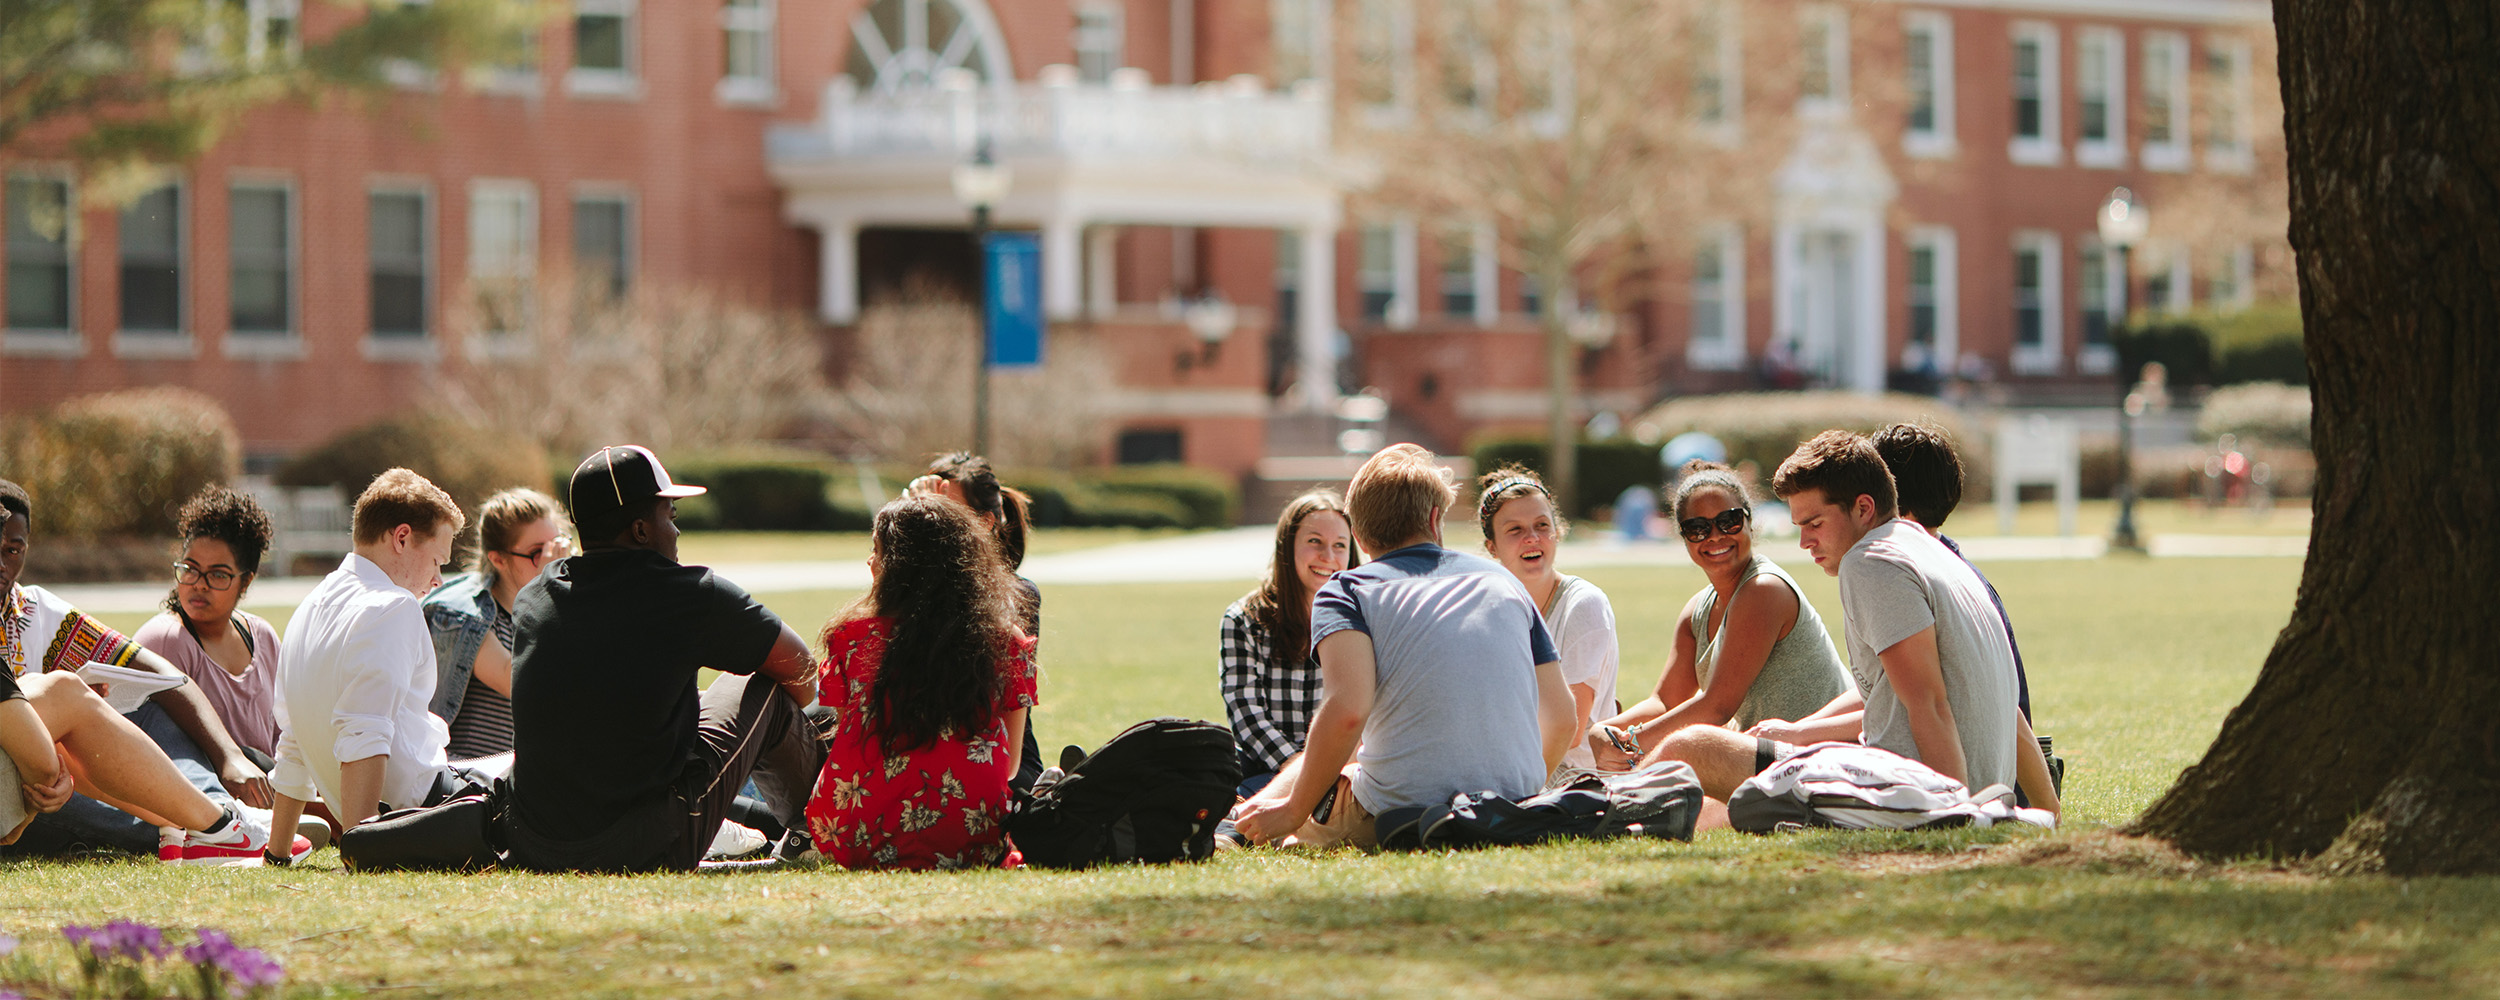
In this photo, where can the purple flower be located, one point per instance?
(8, 945)
(248, 966)
(133, 940)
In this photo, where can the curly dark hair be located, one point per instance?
(229, 516)
(952, 601)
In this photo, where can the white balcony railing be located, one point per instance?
(1236, 121)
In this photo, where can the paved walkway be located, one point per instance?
(1241, 554)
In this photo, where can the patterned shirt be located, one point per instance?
(941, 806)
(32, 617)
(1270, 698)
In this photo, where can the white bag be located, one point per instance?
(1858, 787)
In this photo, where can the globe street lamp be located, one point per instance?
(2123, 223)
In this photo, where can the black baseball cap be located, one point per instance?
(619, 476)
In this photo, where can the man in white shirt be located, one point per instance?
(356, 671)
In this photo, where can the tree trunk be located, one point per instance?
(2370, 742)
(1562, 434)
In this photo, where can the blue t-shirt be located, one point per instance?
(1457, 643)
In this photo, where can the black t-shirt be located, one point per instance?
(8, 685)
(604, 701)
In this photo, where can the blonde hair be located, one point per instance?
(1392, 498)
(503, 516)
(399, 497)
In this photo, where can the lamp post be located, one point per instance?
(1211, 319)
(2123, 222)
(979, 185)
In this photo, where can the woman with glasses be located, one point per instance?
(232, 654)
(519, 532)
(1748, 647)
(1524, 533)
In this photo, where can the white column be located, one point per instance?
(1062, 268)
(1486, 257)
(1873, 335)
(1102, 276)
(837, 271)
(1315, 329)
(1405, 278)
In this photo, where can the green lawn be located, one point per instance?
(2134, 663)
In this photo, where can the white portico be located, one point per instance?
(1828, 304)
(1084, 158)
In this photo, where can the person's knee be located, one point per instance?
(61, 697)
(1721, 758)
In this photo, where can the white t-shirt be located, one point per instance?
(1583, 623)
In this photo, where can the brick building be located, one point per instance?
(323, 266)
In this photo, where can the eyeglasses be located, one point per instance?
(554, 548)
(1729, 522)
(220, 578)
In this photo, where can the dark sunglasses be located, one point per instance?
(1729, 522)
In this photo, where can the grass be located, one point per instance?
(2289, 516)
(2134, 662)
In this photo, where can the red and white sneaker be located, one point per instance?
(243, 843)
(169, 841)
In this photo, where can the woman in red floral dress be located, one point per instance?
(927, 682)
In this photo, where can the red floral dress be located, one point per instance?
(942, 806)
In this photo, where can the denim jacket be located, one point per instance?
(461, 614)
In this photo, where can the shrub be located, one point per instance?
(1205, 498)
(120, 463)
(1606, 467)
(2259, 344)
(2260, 413)
(1764, 427)
(468, 461)
(757, 491)
(1133, 496)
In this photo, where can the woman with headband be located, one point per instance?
(1748, 647)
(1524, 532)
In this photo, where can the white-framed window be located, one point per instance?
(1098, 40)
(2099, 291)
(2100, 98)
(1928, 63)
(154, 283)
(399, 249)
(1717, 58)
(260, 259)
(2165, 82)
(2037, 310)
(1384, 60)
(2038, 141)
(746, 69)
(42, 213)
(1717, 340)
(1543, 33)
(2226, 106)
(1460, 291)
(1823, 59)
(1466, 68)
(2232, 286)
(517, 74)
(1375, 270)
(1934, 296)
(503, 258)
(1297, 40)
(603, 243)
(605, 60)
(2166, 278)
(1531, 295)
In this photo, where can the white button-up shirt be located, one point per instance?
(355, 675)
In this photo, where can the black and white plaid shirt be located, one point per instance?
(1270, 703)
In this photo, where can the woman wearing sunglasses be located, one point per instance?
(519, 532)
(1747, 647)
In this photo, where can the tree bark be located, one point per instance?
(1562, 433)
(2371, 741)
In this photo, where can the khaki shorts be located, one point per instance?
(1348, 823)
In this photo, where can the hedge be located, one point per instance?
(119, 464)
(2259, 344)
(762, 491)
(768, 490)
(1606, 467)
(1765, 427)
(468, 461)
(2260, 413)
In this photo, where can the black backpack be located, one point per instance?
(1153, 793)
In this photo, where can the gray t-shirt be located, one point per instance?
(1799, 676)
(1898, 581)
(1456, 642)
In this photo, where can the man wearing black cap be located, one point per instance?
(621, 763)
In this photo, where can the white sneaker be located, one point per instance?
(736, 840)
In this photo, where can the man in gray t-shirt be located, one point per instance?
(1935, 671)
(1434, 660)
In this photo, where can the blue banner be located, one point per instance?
(1014, 311)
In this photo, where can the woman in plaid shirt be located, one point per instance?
(1270, 686)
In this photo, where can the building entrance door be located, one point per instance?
(1827, 323)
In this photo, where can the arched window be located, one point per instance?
(902, 45)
